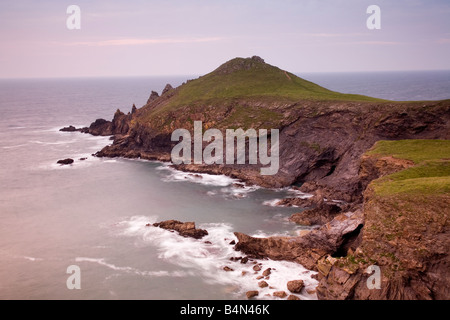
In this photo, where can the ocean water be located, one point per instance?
(93, 214)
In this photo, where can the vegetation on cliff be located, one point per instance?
(406, 230)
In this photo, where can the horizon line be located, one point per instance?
(189, 76)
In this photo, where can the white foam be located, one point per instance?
(16, 146)
(271, 203)
(160, 273)
(46, 143)
(32, 258)
(230, 187)
(208, 256)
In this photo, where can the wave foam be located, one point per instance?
(210, 255)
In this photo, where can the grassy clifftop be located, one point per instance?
(429, 175)
(253, 78)
(406, 231)
(242, 81)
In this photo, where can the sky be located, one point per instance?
(182, 37)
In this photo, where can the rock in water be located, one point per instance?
(295, 286)
(185, 229)
(65, 161)
(251, 294)
(68, 129)
(280, 294)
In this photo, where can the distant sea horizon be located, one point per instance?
(405, 85)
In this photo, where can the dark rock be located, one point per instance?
(263, 284)
(228, 269)
(82, 159)
(232, 242)
(316, 216)
(185, 229)
(153, 96)
(166, 89)
(69, 129)
(293, 297)
(244, 260)
(258, 59)
(101, 127)
(65, 161)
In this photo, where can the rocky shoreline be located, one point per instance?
(338, 214)
(323, 151)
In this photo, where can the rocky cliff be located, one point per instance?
(323, 134)
(324, 141)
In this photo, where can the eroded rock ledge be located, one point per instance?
(333, 238)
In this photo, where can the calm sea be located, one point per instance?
(93, 213)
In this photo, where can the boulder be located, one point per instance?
(65, 161)
(251, 294)
(267, 272)
(280, 294)
(295, 286)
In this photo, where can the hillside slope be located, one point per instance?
(322, 133)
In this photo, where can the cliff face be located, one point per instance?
(406, 231)
(319, 141)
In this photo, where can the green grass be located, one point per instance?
(414, 150)
(430, 175)
(247, 79)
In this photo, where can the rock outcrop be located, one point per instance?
(65, 161)
(406, 236)
(185, 229)
(323, 139)
(333, 238)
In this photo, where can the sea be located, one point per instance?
(80, 231)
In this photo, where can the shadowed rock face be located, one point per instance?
(322, 144)
(330, 239)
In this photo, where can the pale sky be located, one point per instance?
(183, 37)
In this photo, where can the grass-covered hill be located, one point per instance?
(247, 89)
